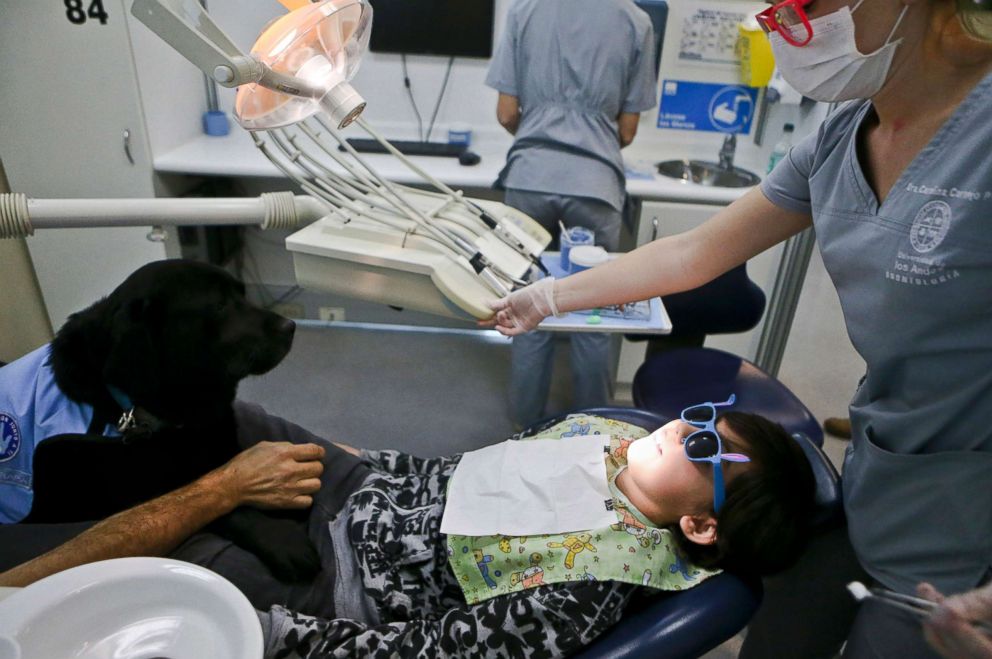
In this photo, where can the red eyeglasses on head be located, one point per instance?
(789, 19)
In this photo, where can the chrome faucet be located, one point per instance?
(727, 152)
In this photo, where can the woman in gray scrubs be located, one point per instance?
(899, 190)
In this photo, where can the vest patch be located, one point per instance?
(11, 476)
(10, 437)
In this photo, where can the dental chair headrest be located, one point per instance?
(829, 502)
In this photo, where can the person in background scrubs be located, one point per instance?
(899, 190)
(573, 77)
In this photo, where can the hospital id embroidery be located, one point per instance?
(930, 226)
(924, 266)
(10, 438)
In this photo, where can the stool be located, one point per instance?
(671, 381)
(688, 624)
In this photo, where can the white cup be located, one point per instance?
(583, 257)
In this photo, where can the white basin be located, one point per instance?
(130, 608)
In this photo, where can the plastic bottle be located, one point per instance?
(782, 147)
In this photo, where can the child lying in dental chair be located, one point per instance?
(702, 493)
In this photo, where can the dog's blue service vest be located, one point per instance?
(32, 409)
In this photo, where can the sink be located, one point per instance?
(708, 173)
(131, 608)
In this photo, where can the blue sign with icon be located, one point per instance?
(707, 106)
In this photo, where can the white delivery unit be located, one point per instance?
(367, 260)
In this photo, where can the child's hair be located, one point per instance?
(762, 526)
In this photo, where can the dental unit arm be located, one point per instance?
(431, 250)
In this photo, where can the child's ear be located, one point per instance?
(700, 529)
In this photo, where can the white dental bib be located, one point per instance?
(532, 487)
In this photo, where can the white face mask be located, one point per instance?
(830, 67)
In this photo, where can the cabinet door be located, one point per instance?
(68, 97)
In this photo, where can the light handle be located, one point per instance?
(188, 28)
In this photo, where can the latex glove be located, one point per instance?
(524, 309)
(949, 630)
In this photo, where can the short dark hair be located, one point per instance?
(762, 526)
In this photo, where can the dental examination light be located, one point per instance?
(428, 249)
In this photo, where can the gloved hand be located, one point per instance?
(524, 309)
(949, 629)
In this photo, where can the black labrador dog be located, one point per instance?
(175, 339)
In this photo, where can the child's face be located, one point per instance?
(664, 479)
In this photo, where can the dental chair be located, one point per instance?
(690, 623)
(678, 371)
(730, 304)
(670, 381)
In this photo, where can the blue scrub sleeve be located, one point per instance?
(502, 75)
(787, 186)
(642, 84)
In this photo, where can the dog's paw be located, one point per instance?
(291, 556)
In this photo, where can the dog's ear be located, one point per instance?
(78, 352)
(131, 359)
(138, 311)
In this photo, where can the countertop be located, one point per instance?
(236, 155)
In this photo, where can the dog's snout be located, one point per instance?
(286, 326)
(271, 346)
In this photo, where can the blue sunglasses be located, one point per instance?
(705, 444)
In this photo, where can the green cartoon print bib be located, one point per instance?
(632, 550)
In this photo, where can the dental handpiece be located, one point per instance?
(916, 606)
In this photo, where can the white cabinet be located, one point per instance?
(661, 218)
(71, 125)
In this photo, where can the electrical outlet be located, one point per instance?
(290, 310)
(331, 314)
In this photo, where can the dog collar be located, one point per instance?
(133, 420)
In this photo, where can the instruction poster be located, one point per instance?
(710, 35)
(707, 106)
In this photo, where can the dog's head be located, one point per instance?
(176, 337)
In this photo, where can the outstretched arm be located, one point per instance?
(267, 475)
(685, 261)
(669, 265)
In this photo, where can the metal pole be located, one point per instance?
(209, 84)
(784, 300)
(20, 215)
